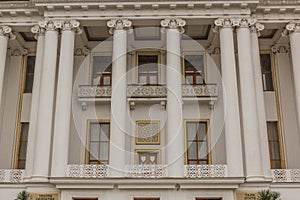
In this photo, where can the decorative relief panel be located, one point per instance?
(87, 171)
(148, 132)
(286, 175)
(199, 91)
(146, 171)
(205, 171)
(11, 175)
(152, 91)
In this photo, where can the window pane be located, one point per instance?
(265, 62)
(104, 132)
(194, 63)
(267, 82)
(94, 151)
(153, 79)
(23, 149)
(30, 64)
(275, 151)
(192, 150)
(106, 80)
(199, 79)
(191, 130)
(147, 59)
(96, 80)
(24, 131)
(101, 64)
(104, 151)
(28, 83)
(201, 131)
(272, 130)
(143, 79)
(188, 79)
(276, 165)
(95, 129)
(21, 165)
(202, 150)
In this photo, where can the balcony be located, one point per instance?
(148, 93)
(286, 175)
(205, 171)
(11, 175)
(146, 171)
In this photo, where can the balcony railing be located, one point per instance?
(146, 91)
(205, 171)
(209, 90)
(91, 91)
(87, 171)
(11, 175)
(146, 171)
(286, 175)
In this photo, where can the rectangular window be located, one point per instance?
(266, 71)
(274, 145)
(148, 69)
(147, 157)
(22, 145)
(99, 143)
(102, 67)
(197, 144)
(30, 64)
(194, 69)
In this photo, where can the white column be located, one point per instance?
(5, 34)
(119, 97)
(261, 111)
(40, 36)
(294, 30)
(175, 134)
(41, 165)
(60, 151)
(231, 104)
(253, 166)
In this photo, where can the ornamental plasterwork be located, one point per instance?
(174, 23)
(148, 132)
(7, 31)
(118, 24)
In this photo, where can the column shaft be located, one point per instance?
(60, 150)
(118, 104)
(45, 109)
(175, 133)
(231, 104)
(253, 166)
(34, 104)
(261, 111)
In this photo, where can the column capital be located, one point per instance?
(51, 25)
(37, 30)
(235, 22)
(244, 22)
(71, 25)
(118, 24)
(280, 48)
(7, 31)
(257, 28)
(223, 23)
(293, 27)
(173, 23)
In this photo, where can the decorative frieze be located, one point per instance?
(7, 31)
(87, 171)
(205, 171)
(174, 23)
(11, 175)
(148, 132)
(146, 171)
(118, 24)
(286, 175)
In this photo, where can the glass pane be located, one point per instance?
(265, 62)
(104, 132)
(188, 79)
(28, 84)
(276, 165)
(24, 131)
(201, 131)
(199, 79)
(94, 151)
(101, 64)
(191, 129)
(21, 165)
(96, 80)
(106, 80)
(153, 79)
(202, 150)
(267, 82)
(149, 60)
(95, 129)
(104, 151)
(194, 63)
(272, 130)
(275, 151)
(192, 150)
(30, 64)
(143, 79)
(23, 149)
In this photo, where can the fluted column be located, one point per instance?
(118, 98)
(5, 34)
(62, 119)
(231, 104)
(252, 149)
(175, 133)
(294, 34)
(41, 164)
(261, 111)
(40, 36)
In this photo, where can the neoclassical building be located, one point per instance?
(149, 100)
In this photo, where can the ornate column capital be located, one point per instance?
(118, 24)
(173, 23)
(280, 48)
(291, 28)
(37, 30)
(257, 28)
(7, 31)
(244, 22)
(51, 25)
(72, 25)
(224, 23)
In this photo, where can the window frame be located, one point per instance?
(273, 74)
(88, 137)
(208, 140)
(280, 143)
(190, 53)
(91, 72)
(24, 78)
(18, 145)
(150, 53)
(149, 150)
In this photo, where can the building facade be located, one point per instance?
(149, 100)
